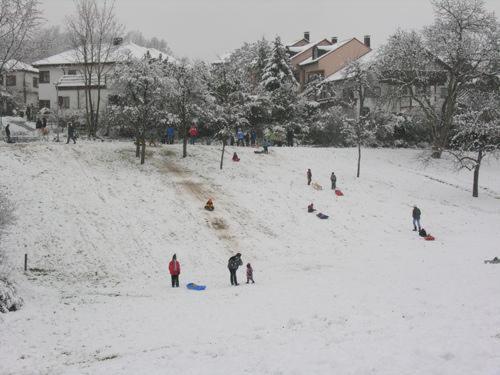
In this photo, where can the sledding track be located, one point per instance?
(100, 229)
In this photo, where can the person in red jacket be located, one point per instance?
(175, 270)
(193, 133)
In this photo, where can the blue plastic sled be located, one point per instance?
(322, 216)
(194, 286)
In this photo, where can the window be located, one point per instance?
(373, 92)
(35, 82)
(11, 80)
(443, 92)
(44, 77)
(63, 102)
(72, 72)
(44, 104)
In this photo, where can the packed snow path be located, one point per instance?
(357, 293)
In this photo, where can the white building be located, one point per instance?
(19, 81)
(62, 83)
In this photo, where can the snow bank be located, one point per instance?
(357, 293)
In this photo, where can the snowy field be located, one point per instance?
(359, 293)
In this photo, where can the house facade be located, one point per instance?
(325, 57)
(19, 82)
(62, 84)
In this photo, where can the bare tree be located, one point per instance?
(461, 45)
(478, 133)
(93, 32)
(187, 91)
(359, 82)
(18, 20)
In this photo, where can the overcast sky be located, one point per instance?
(209, 28)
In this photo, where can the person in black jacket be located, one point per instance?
(71, 133)
(416, 218)
(233, 264)
(7, 133)
(309, 176)
(333, 179)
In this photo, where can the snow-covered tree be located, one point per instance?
(187, 93)
(18, 22)
(227, 111)
(461, 45)
(278, 72)
(92, 31)
(141, 103)
(360, 132)
(477, 132)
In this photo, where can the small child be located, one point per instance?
(250, 274)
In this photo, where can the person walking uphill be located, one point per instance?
(233, 264)
(333, 179)
(309, 176)
(7, 133)
(416, 218)
(175, 270)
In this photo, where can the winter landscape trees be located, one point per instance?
(94, 31)
(459, 47)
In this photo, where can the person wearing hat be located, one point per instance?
(233, 264)
(175, 270)
(416, 218)
(210, 205)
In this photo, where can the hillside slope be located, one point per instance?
(357, 293)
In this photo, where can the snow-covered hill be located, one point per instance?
(357, 293)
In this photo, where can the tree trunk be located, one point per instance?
(222, 156)
(359, 159)
(475, 185)
(184, 141)
(137, 147)
(143, 151)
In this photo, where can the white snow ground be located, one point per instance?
(356, 294)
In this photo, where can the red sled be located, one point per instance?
(429, 238)
(338, 193)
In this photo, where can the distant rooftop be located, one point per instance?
(128, 50)
(15, 65)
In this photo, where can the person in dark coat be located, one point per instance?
(71, 133)
(170, 135)
(39, 124)
(253, 137)
(416, 218)
(247, 139)
(333, 179)
(174, 268)
(44, 122)
(250, 273)
(309, 176)
(233, 264)
(7, 133)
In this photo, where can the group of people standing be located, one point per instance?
(333, 178)
(247, 139)
(233, 264)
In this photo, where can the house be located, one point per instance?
(19, 82)
(62, 83)
(325, 57)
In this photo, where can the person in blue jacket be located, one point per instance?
(240, 136)
(170, 135)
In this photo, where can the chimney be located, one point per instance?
(368, 41)
(306, 35)
(117, 41)
(335, 39)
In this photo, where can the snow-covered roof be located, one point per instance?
(366, 60)
(74, 81)
(305, 47)
(129, 50)
(328, 49)
(18, 66)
